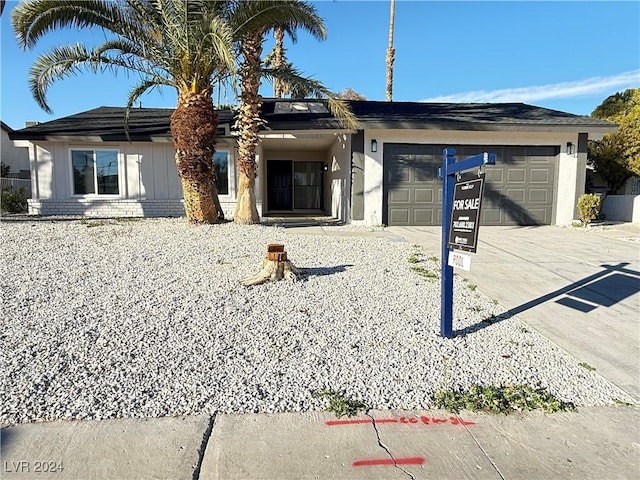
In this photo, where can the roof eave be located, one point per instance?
(501, 127)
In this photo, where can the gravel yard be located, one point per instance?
(108, 318)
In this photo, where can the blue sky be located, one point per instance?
(563, 55)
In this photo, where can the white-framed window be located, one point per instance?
(223, 168)
(95, 171)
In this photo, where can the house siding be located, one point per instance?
(16, 157)
(149, 183)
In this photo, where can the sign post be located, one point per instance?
(450, 168)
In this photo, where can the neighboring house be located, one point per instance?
(383, 173)
(16, 158)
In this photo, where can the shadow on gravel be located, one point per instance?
(605, 288)
(322, 271)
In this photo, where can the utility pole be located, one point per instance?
(391, 53)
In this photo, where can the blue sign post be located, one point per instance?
(448, 173)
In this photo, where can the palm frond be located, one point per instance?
(139, 90)
(313, 88)
(265, 15)
(69, 60)
(32, 19)
(58, 63)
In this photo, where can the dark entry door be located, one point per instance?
(279, 175)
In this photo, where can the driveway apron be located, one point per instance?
(580, 289)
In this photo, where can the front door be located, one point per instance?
(295, 186)
(279, 185)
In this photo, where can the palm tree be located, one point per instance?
(185, 44)
(251, 21)
(277, 59)
(391, 52)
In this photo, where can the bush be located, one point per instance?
(501, 399)
(588, 207)
(14, 201)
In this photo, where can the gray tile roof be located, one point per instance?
(107, 123)
(456, 116)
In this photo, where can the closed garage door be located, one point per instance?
(519, 188)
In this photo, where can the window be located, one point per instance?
(95, 172)
(221, 165)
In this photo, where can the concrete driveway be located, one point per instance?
(580, 288)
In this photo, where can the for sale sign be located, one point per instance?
(465, 217)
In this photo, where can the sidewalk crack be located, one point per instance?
(484, 452)
(386, 449)
(203, 447)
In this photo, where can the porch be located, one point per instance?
(305, 174)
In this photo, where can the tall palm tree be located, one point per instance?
(185, 44)
(279, 60)
(251, 21)
(391, 52)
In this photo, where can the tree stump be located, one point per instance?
(275, 266)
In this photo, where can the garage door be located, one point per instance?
(519, 188)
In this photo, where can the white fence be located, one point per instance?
(622, 208)
(16, 184)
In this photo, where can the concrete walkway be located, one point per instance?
(595, 443)
(580, 289)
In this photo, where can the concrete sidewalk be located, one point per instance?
(594, 443)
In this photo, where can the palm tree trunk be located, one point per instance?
(391, 52)
(278, 61)
(248, 124)
(193, 127)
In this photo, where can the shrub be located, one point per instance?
(588, 207)
(501, 399)
(14, 201)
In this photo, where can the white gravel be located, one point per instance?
(105, 319)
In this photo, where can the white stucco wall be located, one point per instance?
(16, 157)
(567, 189)
(339, 177)
(622, 208)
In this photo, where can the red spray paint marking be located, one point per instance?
(389, 461)
(406, 420)
(332, 423)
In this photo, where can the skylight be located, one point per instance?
(300, 107)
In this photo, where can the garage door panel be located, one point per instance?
(539, 175)
(427, 173)
(490, 215)
(400, 174)
(540, 215)
(423, 195)
(494, 175)
(516, 195)
(399, 216)
(516, 175)
(492, 196)
(540, 153)
(424, 172)
(423, 216)
(400, 195)
(539, 195)
(518, 191)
